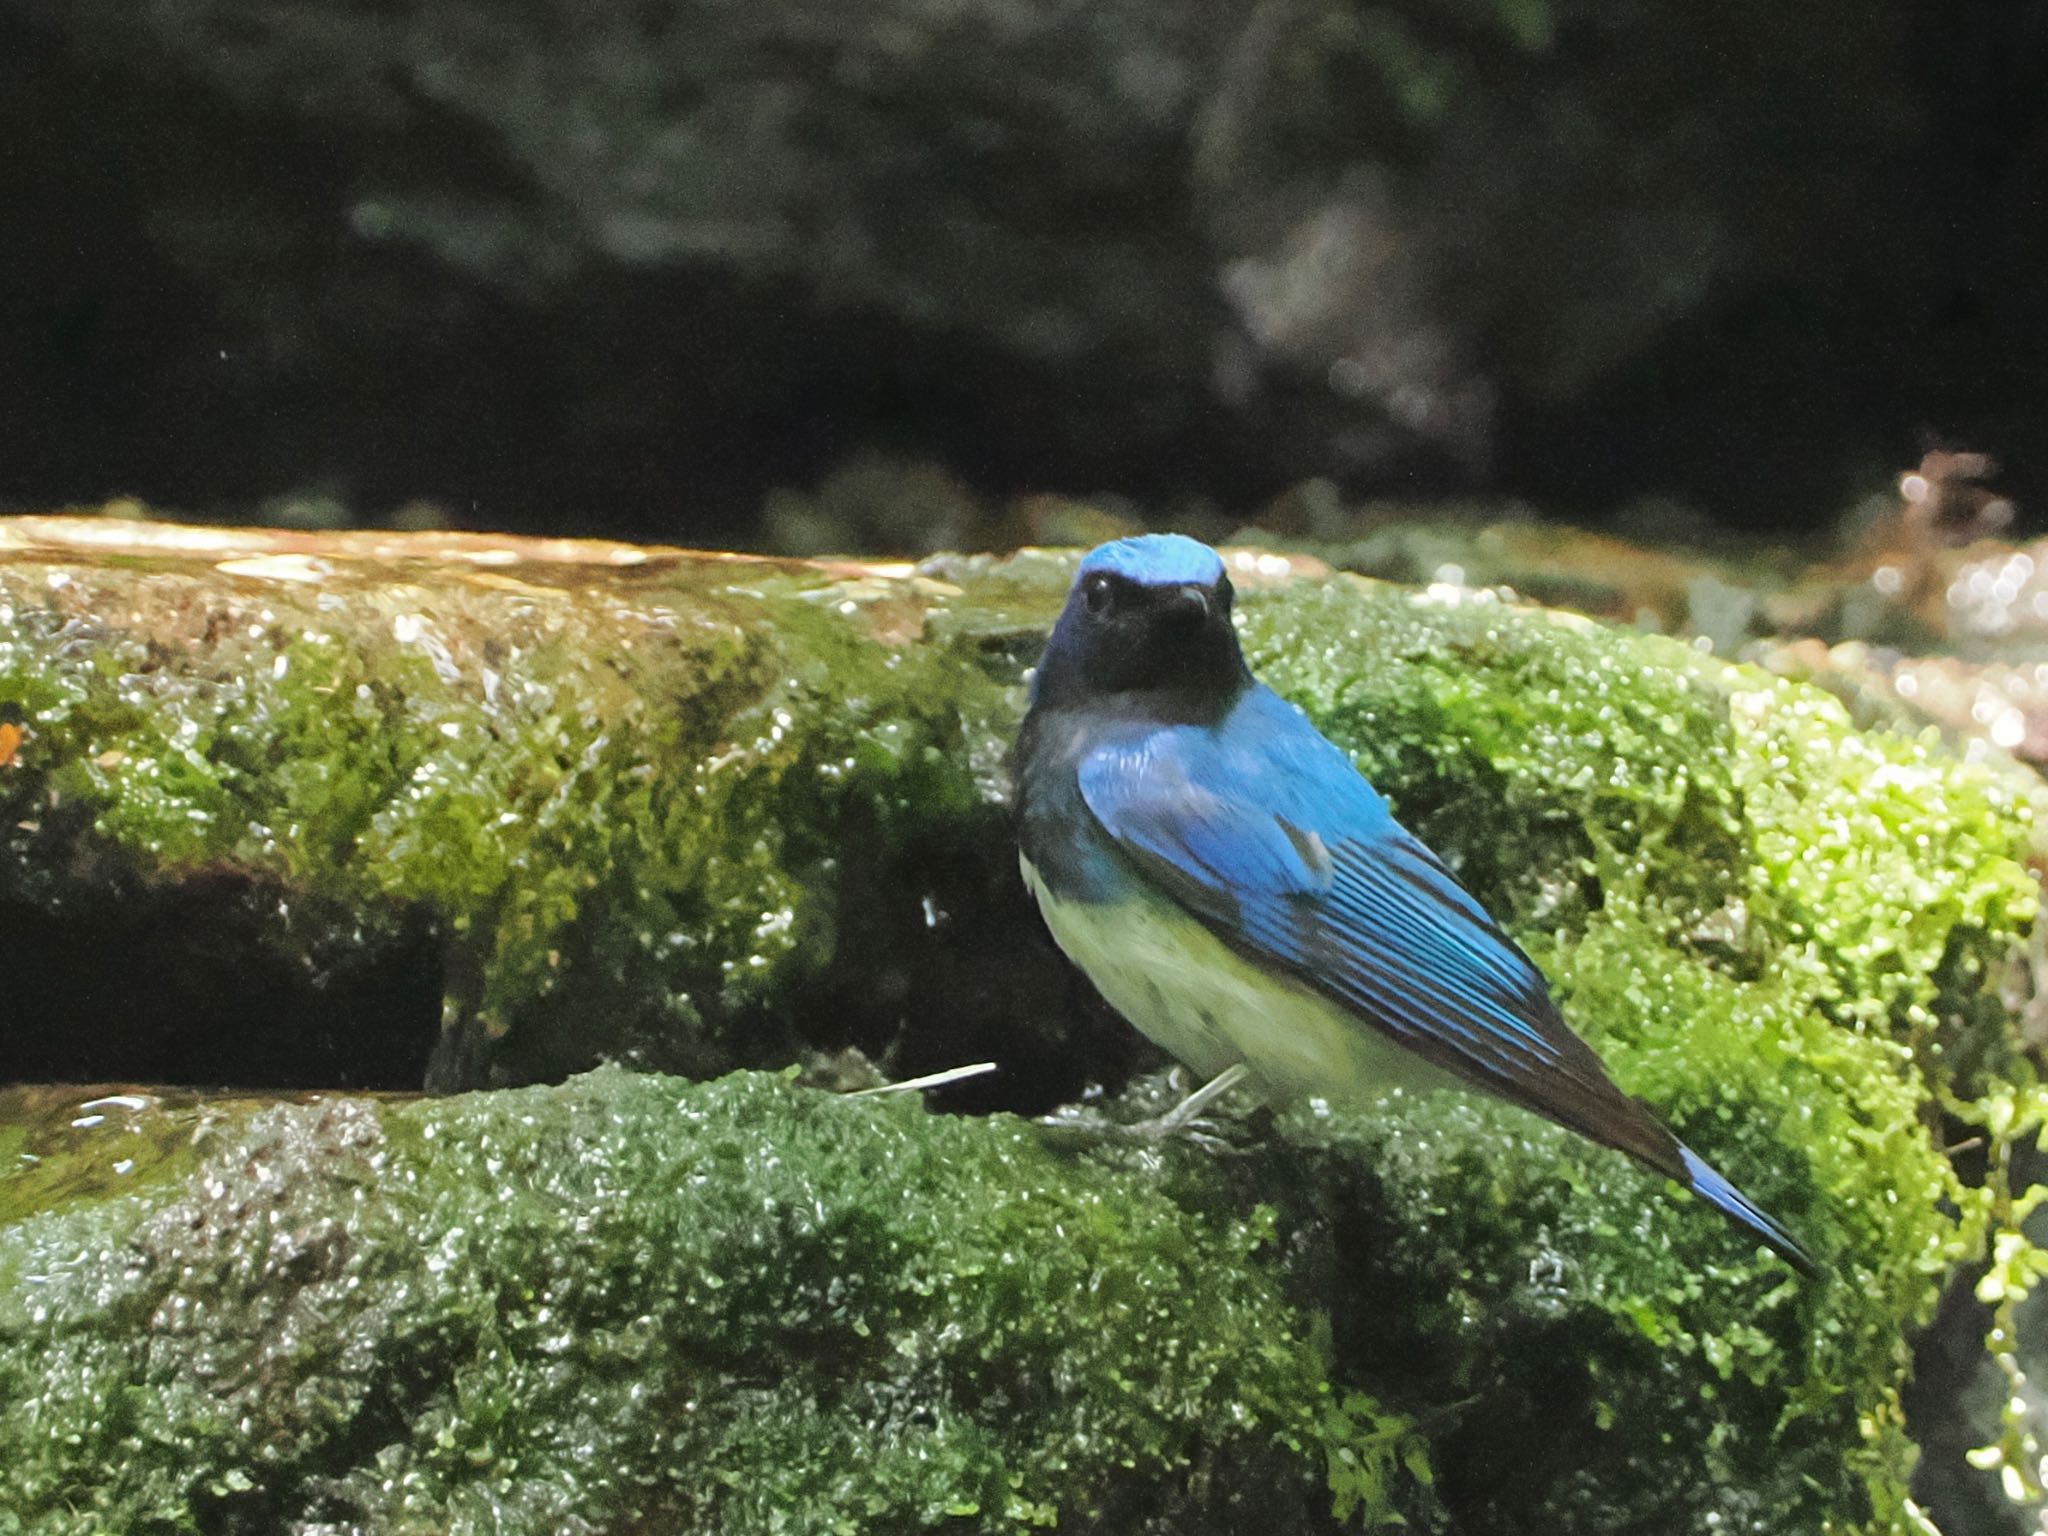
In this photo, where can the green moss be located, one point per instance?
(1793, 939)
(635, 1304)
(622, 809)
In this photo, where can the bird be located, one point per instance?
(1237, 890)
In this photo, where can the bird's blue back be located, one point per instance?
(1264, 830)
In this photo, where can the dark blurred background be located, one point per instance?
(647, 267)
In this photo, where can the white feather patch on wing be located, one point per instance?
(1209, 1007)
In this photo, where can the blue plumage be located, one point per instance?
(1177, 815)
(1156, 559)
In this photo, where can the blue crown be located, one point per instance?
(1157, 560)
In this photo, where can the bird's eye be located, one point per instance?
(1099, 592)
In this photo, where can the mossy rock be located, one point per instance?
(572, 801)
(631, 1303)
(1801, 943)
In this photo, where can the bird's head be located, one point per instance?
(1148, 620)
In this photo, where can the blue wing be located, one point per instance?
(1262, 828)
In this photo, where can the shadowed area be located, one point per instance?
(183, 987)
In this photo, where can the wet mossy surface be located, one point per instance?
(631, 1303)
(569, 811)
(1799, 942)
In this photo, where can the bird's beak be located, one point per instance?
(1191, 602)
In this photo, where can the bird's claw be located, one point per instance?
(1187, 1121)
(1205, 1131)
(1211, 1136)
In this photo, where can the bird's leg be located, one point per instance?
(1187, 1112)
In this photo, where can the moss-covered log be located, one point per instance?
(702, 813)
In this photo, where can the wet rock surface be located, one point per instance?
(543, 802)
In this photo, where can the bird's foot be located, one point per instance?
(1185, 1121)
(1186, 1117)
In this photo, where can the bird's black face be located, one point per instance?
(1170, 642)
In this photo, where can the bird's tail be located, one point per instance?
(1703, 1181)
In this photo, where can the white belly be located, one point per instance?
(1205, 1004)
